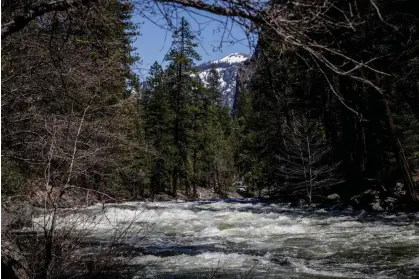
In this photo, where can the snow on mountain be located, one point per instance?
(227, 68)
(233, 58)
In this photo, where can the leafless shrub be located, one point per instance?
(305, 163)
(61, 233)
(84, 242)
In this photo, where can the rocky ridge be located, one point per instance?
(227, 68)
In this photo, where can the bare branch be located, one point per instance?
(21, 21)
(219, 10)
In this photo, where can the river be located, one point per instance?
(250, 239)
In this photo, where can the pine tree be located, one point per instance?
(198, 143)
(217, 163)
(181, 83)
(158, 127)
(214, 88)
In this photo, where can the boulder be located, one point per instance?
(376, 207)
(163, 197)
(398, 190)
(366, 198)
(302, 202)
(299, 203)
(376, 204)
(355, 200)
(333, 198)
(390, 200)
(390, 203)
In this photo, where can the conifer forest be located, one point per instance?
(298, 159)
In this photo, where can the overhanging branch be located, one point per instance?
(19, 22)
(223, 11)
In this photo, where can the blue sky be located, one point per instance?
(154, 42)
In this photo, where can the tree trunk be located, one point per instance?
(310, 160)
(187, 186)
(399, 150)
(194, 172)
(400, 154)
(175, 181)
(217, 176)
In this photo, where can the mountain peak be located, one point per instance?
(227, 68)
(233, 58)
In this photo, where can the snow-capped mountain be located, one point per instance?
(227, 68)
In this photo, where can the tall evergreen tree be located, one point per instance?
(214, 87)
(158, 127)
(181, 83)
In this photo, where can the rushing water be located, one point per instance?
(244, 238)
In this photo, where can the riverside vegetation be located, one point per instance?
(327, 113)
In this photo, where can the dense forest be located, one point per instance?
(76, 115)
(67, 115)
(307, 129)
(97, 129)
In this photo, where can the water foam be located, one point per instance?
(282, 240)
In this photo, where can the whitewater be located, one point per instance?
(250, 239)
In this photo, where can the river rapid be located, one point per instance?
(250, 239)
